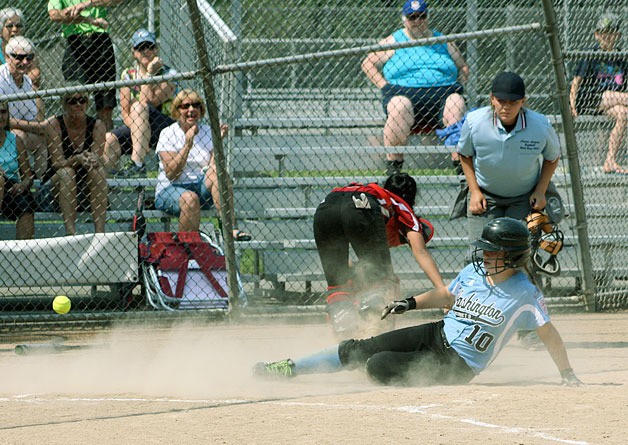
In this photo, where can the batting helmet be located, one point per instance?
(503, 235)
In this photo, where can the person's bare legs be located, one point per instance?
(398, 125)
(64, 191)
(98, 192)
(140, 131)
(211, 182)
(615, 105)
(190, 217)
(25, 226)
(38, 149)
(106, 115)
(112, 152)
(455, 108)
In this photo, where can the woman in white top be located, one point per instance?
(187, 179)
(26, 115)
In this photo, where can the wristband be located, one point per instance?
(411, 303)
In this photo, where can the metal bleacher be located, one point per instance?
(283, 167)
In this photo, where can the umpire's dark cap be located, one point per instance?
(508, 86)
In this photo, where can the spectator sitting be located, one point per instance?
(89, 56)
(76, 173)
(145, 110)
(11, 24)
(187, 179)
(25, 114)
(15, 179)
(600, 86)
(421, 86)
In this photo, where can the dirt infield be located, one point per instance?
(193, 385)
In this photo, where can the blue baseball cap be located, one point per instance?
(414, 6)
(142, 35)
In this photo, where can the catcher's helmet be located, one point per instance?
(503, 235)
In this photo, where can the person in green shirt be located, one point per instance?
(89, 56)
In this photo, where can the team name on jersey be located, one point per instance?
(473, 309)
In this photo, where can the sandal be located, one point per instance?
(239, 235)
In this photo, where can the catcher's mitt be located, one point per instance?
(547, 241)
(539, 221)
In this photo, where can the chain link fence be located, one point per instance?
(299, 85)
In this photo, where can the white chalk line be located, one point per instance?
(423, 410)
(420, 409)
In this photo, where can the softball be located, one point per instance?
(61, 304)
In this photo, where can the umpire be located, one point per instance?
(508, 155)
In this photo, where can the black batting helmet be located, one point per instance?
(503, 235)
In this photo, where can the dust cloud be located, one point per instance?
(183, 361)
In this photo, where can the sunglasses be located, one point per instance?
(4, 110)
(22, 57)
(145, 46)
(195, 105)
(76, 100)
(415, 17)
(13, 25)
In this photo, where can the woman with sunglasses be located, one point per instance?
(11, 25)
(76, 178)
(145, 109)
(16, 201)
(26, 115)
(187, 180)
(421, 86)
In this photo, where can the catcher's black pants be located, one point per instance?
(418, 355)
(356, 219)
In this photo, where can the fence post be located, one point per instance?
(219, 156)
(572, 155)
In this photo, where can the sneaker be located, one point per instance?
(131, 170)
(280, 369)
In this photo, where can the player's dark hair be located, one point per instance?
(402, 185)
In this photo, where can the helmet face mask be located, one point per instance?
(505, 235)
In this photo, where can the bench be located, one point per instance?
(32, 271)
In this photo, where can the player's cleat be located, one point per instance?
(280, 369)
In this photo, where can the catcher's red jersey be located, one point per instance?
(396, 211)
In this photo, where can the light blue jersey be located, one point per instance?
(420, 66)
(484, 317)
(508, 164)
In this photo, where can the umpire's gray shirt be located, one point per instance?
(508, 164)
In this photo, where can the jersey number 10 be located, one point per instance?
(483, 341)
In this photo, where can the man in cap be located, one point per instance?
(145, 109)
(600, 86)
(500, 150)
